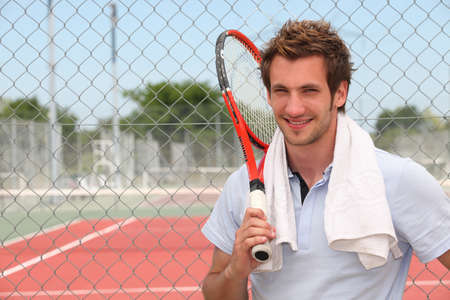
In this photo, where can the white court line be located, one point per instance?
(101, 291)
(427, 282)
(35, 235)
(131, 191)
(64, 248)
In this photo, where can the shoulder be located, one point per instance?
(225, 217)
(390, 164)
(234, 193)
(236, 187)
(400, 173)
(406, 179)
(410, 188)
(419, 207)
(238, 179)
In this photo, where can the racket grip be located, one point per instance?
(261, 252)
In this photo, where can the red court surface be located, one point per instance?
(157, 258)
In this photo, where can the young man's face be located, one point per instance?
(301, 100)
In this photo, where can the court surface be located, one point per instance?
(136, 258)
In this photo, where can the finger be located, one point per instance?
(246, 232)
(256, 222)
(253, 241)
(263, 232)
(254, 213)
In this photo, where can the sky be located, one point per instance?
(400, 50)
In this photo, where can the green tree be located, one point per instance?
(29, 109)
(170, 106)
(402, 120)
(23, 109)
(403, 117)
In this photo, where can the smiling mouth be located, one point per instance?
(298, 122)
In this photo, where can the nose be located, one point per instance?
(295, 106)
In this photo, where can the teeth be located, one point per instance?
(299, 122)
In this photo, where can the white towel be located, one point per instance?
(356, 217)
(280, 213)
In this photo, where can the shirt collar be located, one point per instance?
(326, 173)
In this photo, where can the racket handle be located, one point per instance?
(260, 252)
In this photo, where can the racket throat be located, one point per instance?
(256, 184)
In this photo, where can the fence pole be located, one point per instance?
(116, 130)
(51, 88)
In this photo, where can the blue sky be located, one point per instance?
(400, 50)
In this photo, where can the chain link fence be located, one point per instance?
(114, 142)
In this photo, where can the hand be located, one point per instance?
(254, 230)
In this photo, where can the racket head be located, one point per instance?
(238, 63)
(238, 68)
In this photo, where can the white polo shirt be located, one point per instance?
(421, 216)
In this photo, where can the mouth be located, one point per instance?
(295, 123)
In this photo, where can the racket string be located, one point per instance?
(248, 89)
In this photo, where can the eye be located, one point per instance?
(310, 91)
(279, 90)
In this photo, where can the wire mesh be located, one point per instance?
(114, 143)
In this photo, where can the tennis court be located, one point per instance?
(152, 257)
(135, 258)
(148, 258)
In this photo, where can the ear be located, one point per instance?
(340, 97)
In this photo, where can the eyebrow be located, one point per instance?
(278, 86)
(311, 86)
(303, 87)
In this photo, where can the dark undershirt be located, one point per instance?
(303, 186)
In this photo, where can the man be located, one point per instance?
(306, 69)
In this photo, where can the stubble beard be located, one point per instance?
(296, 139)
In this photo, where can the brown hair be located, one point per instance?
(305, 38)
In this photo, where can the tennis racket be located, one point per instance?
(238, 72)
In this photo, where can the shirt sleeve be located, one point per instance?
(422, 212)
(227, 214)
